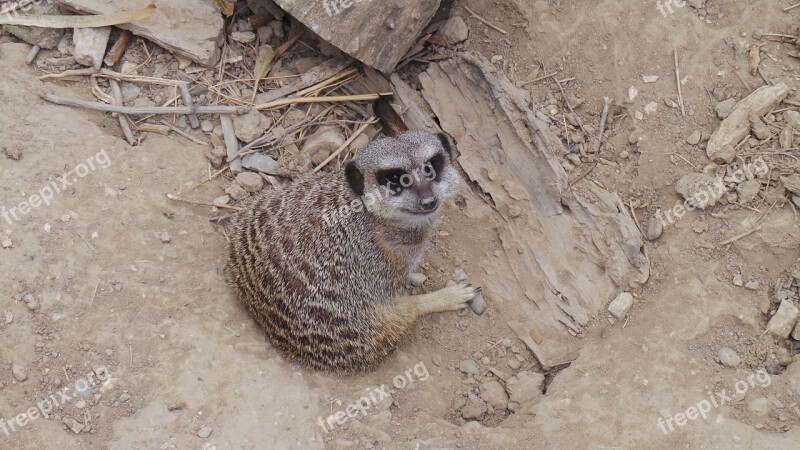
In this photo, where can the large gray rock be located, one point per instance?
(43, 37)
(190, 28)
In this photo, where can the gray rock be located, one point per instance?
(75, 426)
(725, 107)
(514, 363)
(760, 129)
(655, 228)
(737, 280)
(474, 409)
(43, 37)
(204, 431)
(759, 406)
(784, 320)
(166, 238)
(19, 372)
(792, 118)
(748, 191)
(469, 367)
(524, 387)
(250, 181)
(259, 162)
(728, 358)
(700, 190)
(191, 28)
(494, 394)
(752, 285)
(206, 126)
(249, 127)
(243, 37)
(620, 306)
(90, 45)
(792, 183)
(694, 138)
(265, 33)
(130, 92)
(454, 31)
(321, 144)
(236, 192)
(417, 279)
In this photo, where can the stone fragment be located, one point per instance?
(250, 181)
(725, 107)
(728, 358)
(90, 45)
(494, 394)
(191, 28)
(620, 306)
(737, 125)
(251, 126)
(260, 163)
(784, 320)
(694, 138)
(321, 144)
(454, 30)
(469, 367)
(42, 37)
(417, 279)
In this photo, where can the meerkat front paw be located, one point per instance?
(461, 292)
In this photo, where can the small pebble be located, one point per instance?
(19, 372)
(694, 138)
(80, 404)
(417, 279)
(469, 367)
(166, 238)
(728, 358)
(752, 285)
(655, 228)
(207, 126)
(459, 275)
(513, 363)
(7, 243)
(204, 431)
(737, 280)
(124, 397)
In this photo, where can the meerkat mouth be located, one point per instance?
(421, 213)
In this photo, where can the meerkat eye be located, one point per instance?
(394, 180)
(433, 168)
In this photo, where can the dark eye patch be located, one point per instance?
(436, 164)
(391, 179)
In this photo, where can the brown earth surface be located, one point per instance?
(123, 278)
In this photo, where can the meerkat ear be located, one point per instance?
(354, 178)
(445, 143)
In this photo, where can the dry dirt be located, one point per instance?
(181, 353)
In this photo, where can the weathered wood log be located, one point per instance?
(377, 33)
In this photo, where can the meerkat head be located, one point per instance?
(406, 178)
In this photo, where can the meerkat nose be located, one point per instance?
(428, 203)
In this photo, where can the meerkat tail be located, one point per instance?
(390, 120)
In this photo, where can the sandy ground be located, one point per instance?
(112, 275)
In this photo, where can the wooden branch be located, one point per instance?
(186, 135)
(186, 96)
(331, 99)
(91, 21)
(484, 21)
(231, 144)
(118, 49)
(139, 110)
(123, 121)
(678, 80)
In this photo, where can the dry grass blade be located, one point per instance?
(263, 64)
(94, 21)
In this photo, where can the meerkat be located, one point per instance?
(322, 264)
